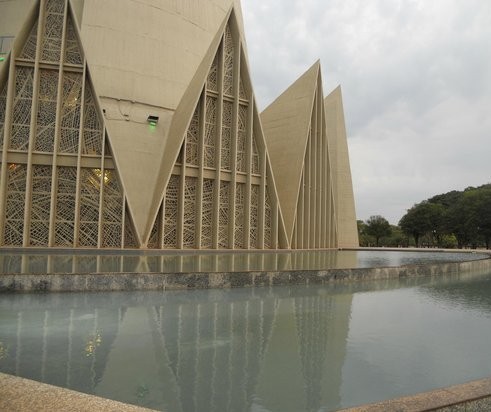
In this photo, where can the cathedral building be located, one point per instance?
(133, 124)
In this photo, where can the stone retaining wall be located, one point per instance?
(159, 281)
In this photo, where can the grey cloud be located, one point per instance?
(416, 79)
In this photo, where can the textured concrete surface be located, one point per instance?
(474, 396)
(19, 395)
(74, 282)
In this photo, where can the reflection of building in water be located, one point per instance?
(228, 262)
(67, 348)
(186, 351)
(306, 354)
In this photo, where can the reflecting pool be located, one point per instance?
(85, 262)
(300, 348)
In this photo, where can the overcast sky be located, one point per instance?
(416, 83)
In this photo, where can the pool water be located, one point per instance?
(299, 348)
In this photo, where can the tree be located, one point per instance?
(424, 218)
(378, 227)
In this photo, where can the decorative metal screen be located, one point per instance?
(40, 205)
(80, 202)
(242, 140)
(171, 212)
(3, 108)
(254, 222)
(21, 116)
(53, 31)
(228, 66)
(189, 217)
(15, 203)
(65, 205)
(230, 206)
(46, 113)
(29, 49)
(210, 132)
(92, 132)
(73, 52)
(70, 115)
(226, 155)
(212, 82)
(207, 214)
(239, 236)
(192, 139)
(224, 214)
(112, 210)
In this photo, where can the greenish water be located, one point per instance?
(49, 262)
(267, 349)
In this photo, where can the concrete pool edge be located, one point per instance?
(103, 282)
(20, 394)
(471, 396)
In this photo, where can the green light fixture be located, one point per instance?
(152, 120)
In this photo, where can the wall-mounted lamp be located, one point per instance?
(152, 120)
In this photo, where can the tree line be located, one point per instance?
(454, 219)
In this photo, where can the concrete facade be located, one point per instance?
(130, 124)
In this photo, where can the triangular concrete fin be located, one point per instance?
(216, 160)
(341, 171)
(286, 124)
(178, 126)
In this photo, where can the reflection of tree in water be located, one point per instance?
(468, 292)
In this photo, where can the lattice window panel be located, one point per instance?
(65, 205)
(70, 112)
(226, 147)
(207, 214)
(210, 132)
(268, 220)
(93, 133)
(40, 205)
(239, 215)
(171, 212)
(129, 233)
(228, 70)
(53, 31)
(242, 92)
(189, 217)
(21, 116)
(112, 210)
(212, 81)
(223, 214)
(3, 108)
(90, 186)
(29, 50)
(46, 112)
(14, 204)
(180, 155)
(254, 217)
(73, 52)
(242, 140)
(255, 158)
(192, 139)
(154, 240)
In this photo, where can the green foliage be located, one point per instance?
(451, 219)
(377, 227)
